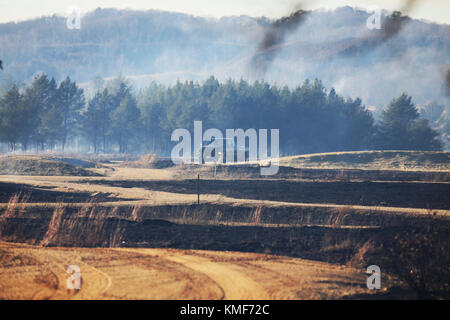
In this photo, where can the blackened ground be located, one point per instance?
(32, 194)
(424, 195)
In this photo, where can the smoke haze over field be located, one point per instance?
(148, 46)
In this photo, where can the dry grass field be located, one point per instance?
(370, 160)
(31, 272)
(137, 232)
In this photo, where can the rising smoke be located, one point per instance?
(396, 21)
(392, 26)
(273, 39)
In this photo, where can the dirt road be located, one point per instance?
(31, 272)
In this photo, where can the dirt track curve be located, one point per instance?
(32, 272)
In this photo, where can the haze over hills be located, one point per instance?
(164, 46)
(141, 157)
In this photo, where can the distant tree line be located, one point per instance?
(49, 116)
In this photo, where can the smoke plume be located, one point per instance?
(273, 39)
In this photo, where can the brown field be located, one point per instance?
(31, 272)
(135, 229)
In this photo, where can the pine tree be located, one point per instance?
(125, 122)
(11, 117)
(70, 100)
(96, 121)
(39, 103)
(401, 128)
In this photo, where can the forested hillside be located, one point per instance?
(334, 46)
(135, 76)
(48, 116)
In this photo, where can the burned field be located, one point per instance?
(26, 193)
(352, 222)
(426, 195)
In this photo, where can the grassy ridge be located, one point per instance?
(41, 166)
(383, 160)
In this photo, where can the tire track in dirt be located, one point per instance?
(147, 273)
(43, 291)
(233, 283)
(45, 288)
(258, 276)
(168, 260)
(277, 285)
(56, 268)
(169, 279)
(105, 274)
(91, 285)
(56, 261)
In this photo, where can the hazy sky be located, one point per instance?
(17, 10)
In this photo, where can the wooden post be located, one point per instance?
(198, 189)
(215, 170)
